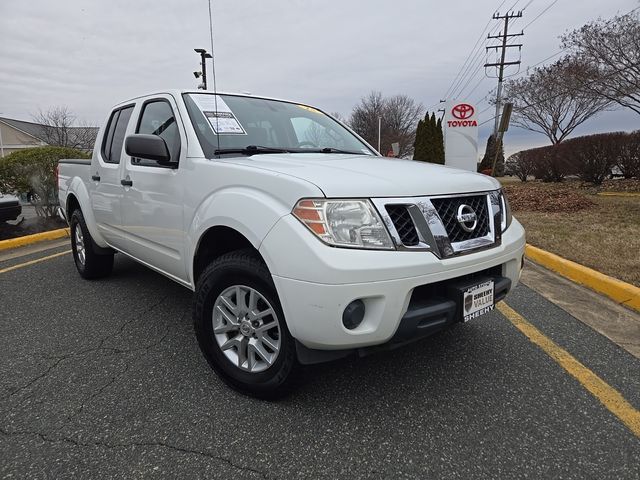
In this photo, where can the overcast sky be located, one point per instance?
(88, 55)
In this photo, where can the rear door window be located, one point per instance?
(108, 138)
(115, 152)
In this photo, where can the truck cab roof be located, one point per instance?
(176, 92)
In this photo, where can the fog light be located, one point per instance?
(353, 314)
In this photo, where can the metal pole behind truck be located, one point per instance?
(203, 62)
(502, 127)
(1, 144)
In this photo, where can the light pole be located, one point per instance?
(1, 143)
(379, 129)
(203, 62)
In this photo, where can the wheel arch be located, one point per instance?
(72, 205)
(215, 242)
(78, 197)
(228, 217)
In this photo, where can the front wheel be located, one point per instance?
(241, 328)
(90, 265)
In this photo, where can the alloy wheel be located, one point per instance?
(80, 248)
(246, 328)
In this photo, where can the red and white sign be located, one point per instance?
(462, 114)
(460, 135)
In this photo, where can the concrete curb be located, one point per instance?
(619, 291)
(35, 238)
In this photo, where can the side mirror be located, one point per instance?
(150, 147)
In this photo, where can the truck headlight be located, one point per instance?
(344, 223)
(505, 211)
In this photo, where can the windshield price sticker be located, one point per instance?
(478, 300)
(224, 123)
(221, 118)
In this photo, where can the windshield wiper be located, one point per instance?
(257, 149)
(252, 150)
(330, 150)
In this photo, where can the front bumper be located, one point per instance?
(315, 282)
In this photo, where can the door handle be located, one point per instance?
(95, 178)
(126, 183)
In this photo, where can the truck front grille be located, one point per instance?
(431, 223)
(447, 209)
(404, 224)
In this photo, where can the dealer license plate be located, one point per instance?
(477, 300)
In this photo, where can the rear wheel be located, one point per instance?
(241, 328)
(90, 265)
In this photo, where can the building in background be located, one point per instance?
(18, 134)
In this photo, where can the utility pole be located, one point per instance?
(502, 63)
(203, 63)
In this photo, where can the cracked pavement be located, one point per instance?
(104, 379)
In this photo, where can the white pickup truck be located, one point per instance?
(301, 242)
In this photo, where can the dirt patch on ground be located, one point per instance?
(570, 220)
(617, 185)
(542, 197)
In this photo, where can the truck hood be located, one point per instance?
(340, 175)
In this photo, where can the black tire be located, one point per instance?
(90, 265)
(245, 268)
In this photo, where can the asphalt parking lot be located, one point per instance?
(104, 379)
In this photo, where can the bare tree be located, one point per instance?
(399, 116)
(520, 165)
(629, 158)
(550, 100)
(593, 156)
(612, 50)
(58, 128)
(364, 116)
(338, 116)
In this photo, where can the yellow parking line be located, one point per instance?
(31, 262)
(608, 396)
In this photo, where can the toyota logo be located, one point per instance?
(467, 218)
(462, 111)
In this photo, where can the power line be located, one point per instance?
(510, 8)
(525, 7)
(488, 108)
(469, 61)
(472, 51)
(503, 62)
(471, 74)
(476, 87)
(541, 13)
(568, 91)
(544, 60)
(471, 78)
(540, 62)
(471, 68)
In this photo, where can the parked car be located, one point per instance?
(302, 244)
(10, 208)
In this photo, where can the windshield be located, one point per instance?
(252, 125)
